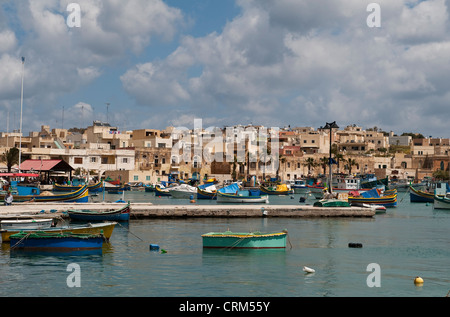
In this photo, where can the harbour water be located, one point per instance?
(407, 241)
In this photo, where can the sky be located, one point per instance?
(149, 64)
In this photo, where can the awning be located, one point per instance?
(19, 175)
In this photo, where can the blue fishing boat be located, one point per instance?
(121, 214)
(46, 241)
(207, 191)
(160, 191)
(78, 196)
(233, 194)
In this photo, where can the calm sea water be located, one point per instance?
(408, 241)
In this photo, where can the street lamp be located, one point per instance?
(330, 126)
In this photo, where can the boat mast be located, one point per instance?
(21, 106)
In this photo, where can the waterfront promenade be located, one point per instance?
(146, 210)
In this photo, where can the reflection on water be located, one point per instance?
(407, 241)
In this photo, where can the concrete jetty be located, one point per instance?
(146, 210)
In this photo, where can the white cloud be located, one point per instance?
(305, 62)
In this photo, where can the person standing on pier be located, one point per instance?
(8, 199)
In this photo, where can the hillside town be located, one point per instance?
(149, 156)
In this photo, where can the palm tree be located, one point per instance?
(10, 157)
(324, 161)
(338, 157)
(350, 163)
(310, 162)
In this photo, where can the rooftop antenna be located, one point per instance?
(107, 112)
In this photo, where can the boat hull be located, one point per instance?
(93, 188)
(441, 202)
(56, 242)
(388, 201)
(122, 214)
(79, 196)
(419, 196)
(244, 240)
(203, 194)
(106, 229)
(161, 192)
(276, 192)
(33, 224)
(232, 198)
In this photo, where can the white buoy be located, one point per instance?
(308, 269)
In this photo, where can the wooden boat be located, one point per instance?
(241, 198)
(331, 203)
(55, 241)
(121, 214)
(252, 240)
(442, 202)
(159, 191)
(373, 197)
(106, 228)
(280, 189)
(78, 196)
(420, 196)
(207, 191)
(26, 224)
(233, 194)
(97, 187)
(299, 186)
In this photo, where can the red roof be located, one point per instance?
(45, 165)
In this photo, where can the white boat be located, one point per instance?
(26, 224)
(299, 186)
(442, 202)
(183, 191)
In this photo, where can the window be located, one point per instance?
(147, 178)
(125, 160)
(93, 159)
(78, 160)
(136, 177)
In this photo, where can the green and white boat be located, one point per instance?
(252, 240)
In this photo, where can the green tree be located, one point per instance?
(310, 162)
(350, 162)
(10, 157)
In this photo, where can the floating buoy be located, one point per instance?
(192, 201)
(163, 251)
(308, 269)
(302, 200)
(418, 280)
(355, 245)
(154, 247)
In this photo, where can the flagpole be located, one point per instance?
(21, 107)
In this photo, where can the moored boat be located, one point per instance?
(207, 191)
(160, 191)
(121, 214)
(373, 197)
(57, 241)
(280, 189)
(420, 196)
(234, 194)
(252, 240)
(331, 203)
(79, 196)
(26, 224)
(182, 191)
(442, 202)
(106, 228)
(97, 187)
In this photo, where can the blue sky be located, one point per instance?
(270, 62)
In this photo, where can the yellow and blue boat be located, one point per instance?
(252, 240)
(373, 197)
(280, 189)
(81, 195)
(97, 187)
